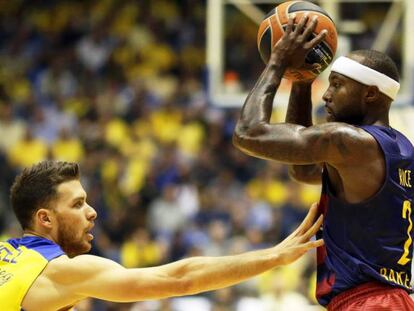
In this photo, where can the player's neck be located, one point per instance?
(376, 120)
(34, 233)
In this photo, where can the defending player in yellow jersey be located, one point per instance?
(45, 269)
(21, 262)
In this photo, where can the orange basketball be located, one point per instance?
(274, 24)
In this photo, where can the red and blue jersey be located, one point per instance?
(371, 240)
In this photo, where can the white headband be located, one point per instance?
(366, 75)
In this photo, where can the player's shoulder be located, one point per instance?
(345, 144)
(345, 132)
(64, 268)
(65, 263)
(57, 276)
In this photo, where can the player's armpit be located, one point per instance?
(333, 143)
(309, 174)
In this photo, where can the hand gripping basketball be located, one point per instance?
(275, 24)
(296, 43)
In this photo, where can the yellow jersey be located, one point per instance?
(21, 262)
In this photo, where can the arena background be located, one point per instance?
(144, 95)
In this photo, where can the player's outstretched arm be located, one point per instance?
(91, 276)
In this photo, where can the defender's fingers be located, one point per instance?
(315, 41)
(312, 231)
(301, 25)
(311, 27)
(314, 244)
(290, 23)
(309, 219)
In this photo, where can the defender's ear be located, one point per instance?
(43, 218)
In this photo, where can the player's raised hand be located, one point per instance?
(296, 42)
(298, 242)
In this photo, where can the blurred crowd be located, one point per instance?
(119, 86)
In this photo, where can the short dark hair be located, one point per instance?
(36, 187)
(380, 62)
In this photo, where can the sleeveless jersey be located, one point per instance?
(21, 262)
(371, 240)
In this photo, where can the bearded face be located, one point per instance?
(73, 240)
(74, 219)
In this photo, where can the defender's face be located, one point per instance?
(74, 219)
(344, 100)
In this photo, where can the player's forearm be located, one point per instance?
(300, 104)
(299, 112)
(211, 273)
(258, 106)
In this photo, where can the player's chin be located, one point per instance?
(330, 117)
(86, 247)
(87, 243)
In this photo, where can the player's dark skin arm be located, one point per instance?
(349, 152)
(299, 112)
(254, 134)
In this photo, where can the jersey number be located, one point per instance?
(406, 214)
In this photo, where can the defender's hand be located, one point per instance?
(295, 43)
(297, 243)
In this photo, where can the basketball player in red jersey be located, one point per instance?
(45, 269)
(364, 165)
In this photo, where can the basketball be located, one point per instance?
(274, 24)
